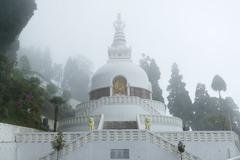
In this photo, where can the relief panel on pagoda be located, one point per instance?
(119, 86)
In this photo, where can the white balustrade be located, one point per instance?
(46, 137)
(80, 120)
(151, 106)
(162, 120)
(200, 136)
(118, 136)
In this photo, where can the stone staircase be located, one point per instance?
(117, 136)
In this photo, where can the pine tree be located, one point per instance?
(151, 68)
(76, 77)
(200, 107)
(179, 102)
(218, 84)
(24, 64)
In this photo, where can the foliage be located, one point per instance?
(51, 89)
(24, 64)
(151, 68)
(76, 77)
(40, 61)
(200, 107)
(211, 113)
(58, 143)
(66, 111)
(57, 100)
(66, 95)
(181, 147)
(218, 84)
(179, 102)
(21, 101)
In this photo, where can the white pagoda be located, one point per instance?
(120, 121)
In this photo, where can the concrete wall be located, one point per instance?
(8, 148)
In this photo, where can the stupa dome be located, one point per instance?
(134, 75)
(120, 76)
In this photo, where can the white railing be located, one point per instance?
(151, 106)
(201, 136)
(162, 120)
(118, 136)
(46, 137)
(80, 120)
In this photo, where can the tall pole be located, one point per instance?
(230, 121)
(55, 118)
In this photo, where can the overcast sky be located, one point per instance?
(201, 36)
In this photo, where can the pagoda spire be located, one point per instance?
(119, 37)
(119, 49)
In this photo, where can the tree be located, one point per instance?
(179, 102)
(207, 111)
(57, 74)
(76, 77)
(21, 101)
(211, 113)
(58, 143)
(24, 64)
(151, 68)
(200, 107)
(51, 89)
(47, 65)
(218, 84)
(181, 148)
(230, 108)
(66, 95)
(40, 61)
(57, 101)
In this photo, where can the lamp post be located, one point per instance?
(181, 148)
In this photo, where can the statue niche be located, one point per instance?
(119, 86)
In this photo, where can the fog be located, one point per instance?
(202, 37)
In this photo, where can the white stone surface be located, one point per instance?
(149, 106)
(138, 151)
(119, 112)
(32, 151)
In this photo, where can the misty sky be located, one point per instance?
(201, 36)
